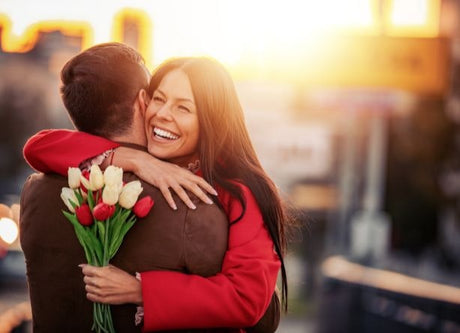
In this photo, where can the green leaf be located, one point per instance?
(124, 230)
(80, 232)
(74, 205)
(90, 200)
(117, 224)
(70, 216)
(97, 246)
(100, 229)
(79, 196)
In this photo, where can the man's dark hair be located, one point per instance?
(100, 85)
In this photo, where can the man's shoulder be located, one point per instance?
(41, 180)
(39, 177)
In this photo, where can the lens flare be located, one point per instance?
(8, 230)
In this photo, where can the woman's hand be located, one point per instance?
(164, 176)
(111, 285)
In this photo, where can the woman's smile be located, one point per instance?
(161, 135)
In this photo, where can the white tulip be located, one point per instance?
(68, 195)
(110, 194)
(129, 194)
(74, 177)
(96, 179)
(85, 183)
(113, 176)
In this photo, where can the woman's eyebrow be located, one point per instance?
(158, 90)
(185, 100)
(177, 99)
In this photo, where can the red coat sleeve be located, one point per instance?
(57, 150)
(236, 297)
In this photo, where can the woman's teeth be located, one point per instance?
(164, 134)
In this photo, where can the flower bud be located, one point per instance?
(96, 178)
(110, 195)
(113, 176)
(85, 183)
(129, 194)
(68, 196)
(143, 206)
(102, 212)
(84, 215)
(74, 177)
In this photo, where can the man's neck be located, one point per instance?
(135, 139)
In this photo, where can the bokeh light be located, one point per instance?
(8, 230)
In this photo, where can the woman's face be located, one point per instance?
(171, 120)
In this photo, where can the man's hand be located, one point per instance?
(165, 176)
(111, 285)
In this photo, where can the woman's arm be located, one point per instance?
(238, 296)
(57, 150)
(163, 175)
(54, 151)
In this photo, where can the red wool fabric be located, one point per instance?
(57, 150)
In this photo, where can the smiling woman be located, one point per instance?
(171, 120)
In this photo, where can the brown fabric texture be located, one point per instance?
(183, 240)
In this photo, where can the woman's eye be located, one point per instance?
(158, 99)
(183, 108)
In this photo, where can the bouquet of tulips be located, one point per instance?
(102, 210)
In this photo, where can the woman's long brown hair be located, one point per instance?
(226, 151)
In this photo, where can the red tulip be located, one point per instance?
(84, 215)
(102, 211)
(85, 174)
(143, 206)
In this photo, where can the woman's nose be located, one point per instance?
(165, 112)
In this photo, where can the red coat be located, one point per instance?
(236, 297)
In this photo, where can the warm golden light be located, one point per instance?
(255, 32)
(409, 12)
(26, 40)
(414, 18)
(143, 25)
(8, 230)
(297, 41)
(235, 32)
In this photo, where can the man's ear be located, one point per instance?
(142, 101)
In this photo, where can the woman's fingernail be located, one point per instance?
(209, 201)
(215, 193)
(192, 206)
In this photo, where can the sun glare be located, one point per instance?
(409, 12)
(416, 18)
(237, 32)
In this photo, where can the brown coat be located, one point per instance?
(183, 240)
